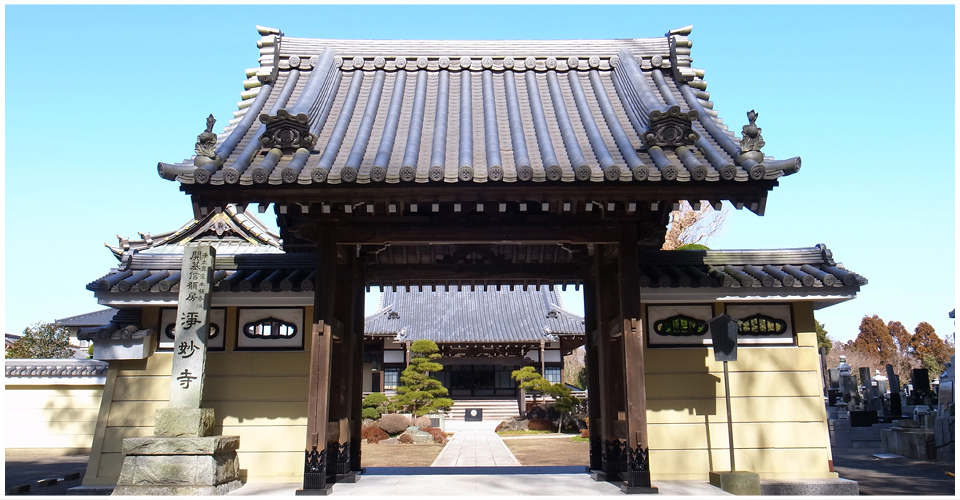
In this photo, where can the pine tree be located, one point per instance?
(42, 341)
(530, 380)
(420, 393)
(823, 340)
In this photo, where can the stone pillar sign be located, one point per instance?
(192, 327)
(184, 457)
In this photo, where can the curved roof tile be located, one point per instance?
(389, 111)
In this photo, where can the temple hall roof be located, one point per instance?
(478, 316)
(626, 111)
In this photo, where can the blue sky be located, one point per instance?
(95, 96)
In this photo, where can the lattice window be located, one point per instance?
(270, 328)
(761, 324)
(214, 331)
(391, 378)
(680, 326)
(552, 374)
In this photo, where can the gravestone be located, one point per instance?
(184, 457)
(921, 385)
(833, 388)
(865, 392)
(834, 377)
(847, 388)
(896, 410)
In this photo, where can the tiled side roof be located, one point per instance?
(230, 231)
(491, 316)
(55, 368)
(795, 268)
(391, 111)
(791, 271)
(95, 318)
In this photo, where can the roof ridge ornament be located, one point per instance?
(752, 141)
(206, 146)
(672, 127)
(286, 131)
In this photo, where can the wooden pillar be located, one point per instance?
(356, 391)
(637, 478)
(609, 368)
(342, 373)
(591, 360)
(543, 363)
(324, 326)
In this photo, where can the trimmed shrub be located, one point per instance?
(373, 435)
(422, 422)
(438, 435)
(374, 405)
(394, 423)
(405, 439)
(540, 424)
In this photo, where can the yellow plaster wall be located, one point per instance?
(779, 419)
(61, 417)
(257, 395)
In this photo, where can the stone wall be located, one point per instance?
(944, 438)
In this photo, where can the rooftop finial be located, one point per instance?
(752, 141)
(206, 147)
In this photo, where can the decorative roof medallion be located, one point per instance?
(671, 128)
(752, 140)
(206, 147)
(287, 132)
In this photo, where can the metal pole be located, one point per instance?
(726, 390)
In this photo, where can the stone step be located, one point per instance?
(493, 409)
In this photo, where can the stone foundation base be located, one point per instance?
(738, 483)
(599, 475)
(321, 492)
(638, 490)
(809, 487)
(177, 490)
(179, 466)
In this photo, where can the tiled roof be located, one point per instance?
(422, 111)
(491, 316)
(795, 268)
(794, 272)
(55, 368)
(95, 318)
(230, 231)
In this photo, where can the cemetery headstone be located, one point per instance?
(896, 410)
(921, 385)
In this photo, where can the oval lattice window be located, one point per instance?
(760, 324)
(270, 328)
(214, 331)
(680, 326)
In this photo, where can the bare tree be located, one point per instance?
(693, 225)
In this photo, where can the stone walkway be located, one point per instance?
(474, 444)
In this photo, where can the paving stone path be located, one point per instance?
(474, 444)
